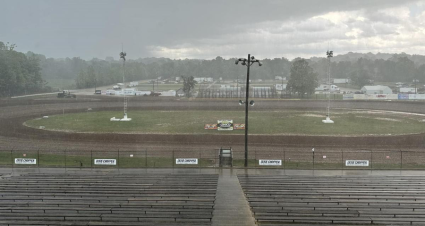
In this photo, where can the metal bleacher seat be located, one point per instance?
(154, 199)
(388, 200)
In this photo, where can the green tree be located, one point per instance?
(188, 85)
(360, 77)
(303, 80)
(19, 74)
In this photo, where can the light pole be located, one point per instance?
(237, 84)
(329, 55)
(247, 62)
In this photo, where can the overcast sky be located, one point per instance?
(205, 29)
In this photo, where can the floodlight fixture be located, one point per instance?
(251, 103)
(241, 102)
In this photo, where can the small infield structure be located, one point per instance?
(291, 122)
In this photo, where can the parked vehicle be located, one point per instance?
(66, 94)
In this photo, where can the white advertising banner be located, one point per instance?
(359, 96)
(187, 161)
(416, 96)
(348, 96)
(110, 162)
(25, 161)
(373, 96)
(357, 163)
(270, 162)
(392, 96)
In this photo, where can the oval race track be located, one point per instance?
(13, 134)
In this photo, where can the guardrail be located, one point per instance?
(273, 158)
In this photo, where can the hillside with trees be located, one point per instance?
(31, 72)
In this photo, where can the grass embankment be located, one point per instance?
(347, 123)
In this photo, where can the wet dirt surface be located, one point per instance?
(13, 134)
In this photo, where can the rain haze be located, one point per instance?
(206, 29)
(212, 113)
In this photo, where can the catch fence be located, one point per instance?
(192, 158)
(261, 93)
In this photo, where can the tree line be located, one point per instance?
(27, 73)
(361, 71)
(19, 73)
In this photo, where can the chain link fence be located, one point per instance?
(271, 158)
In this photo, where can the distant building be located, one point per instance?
(341, 80)
(199, 80)
(376, 90)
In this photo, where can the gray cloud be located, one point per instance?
(189, 28)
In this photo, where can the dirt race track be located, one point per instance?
(13, 135)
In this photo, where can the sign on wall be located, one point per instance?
(187, 161)
(402, 96)
(270, 162)
(25, 161)
(357, 163)
(224, 124)
(238, 126)
(111, 162)
(210, 126)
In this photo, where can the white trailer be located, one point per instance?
(341, 80)
(110, 92)
(324, 87)
(143, 93)
(408, 90)
(170, 93)
(132, 84)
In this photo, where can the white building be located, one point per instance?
(376, 90)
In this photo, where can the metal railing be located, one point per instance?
(289, 159)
